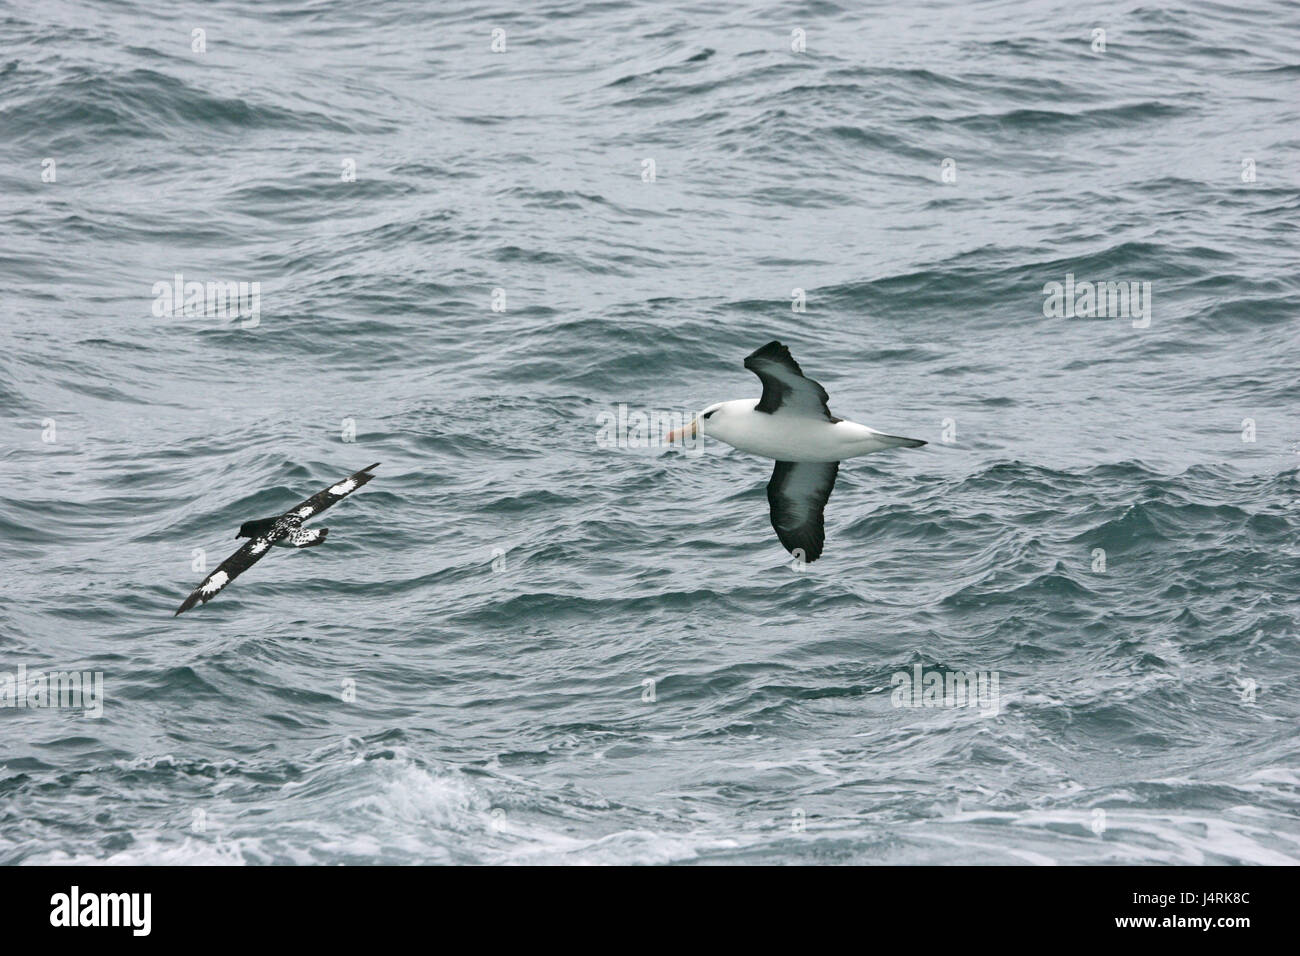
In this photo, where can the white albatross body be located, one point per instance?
(792, 424)
(793, 437)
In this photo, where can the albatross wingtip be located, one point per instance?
(772, 350)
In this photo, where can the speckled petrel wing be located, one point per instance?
(323, 499)
(234, 566)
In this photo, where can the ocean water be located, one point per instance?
(525, 642)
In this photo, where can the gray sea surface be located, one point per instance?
(528, 642)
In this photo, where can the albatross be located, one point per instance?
(792, 424)
(285, 530)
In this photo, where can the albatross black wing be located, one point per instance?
(797, 495)
(323, 499)
(233, 567)
(784, 385)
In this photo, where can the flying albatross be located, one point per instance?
(285, 530)
(792, 424)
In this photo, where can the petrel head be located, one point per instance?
(255, 528)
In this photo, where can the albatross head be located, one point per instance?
(716, 421)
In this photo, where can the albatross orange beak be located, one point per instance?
(689, 431)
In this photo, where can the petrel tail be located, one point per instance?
(308, 537)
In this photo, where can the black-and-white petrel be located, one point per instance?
(285, 530)
(791, 423)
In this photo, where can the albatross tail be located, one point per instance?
(894, 441)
